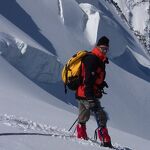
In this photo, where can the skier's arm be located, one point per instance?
(89, 77)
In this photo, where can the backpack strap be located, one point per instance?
(66, 76)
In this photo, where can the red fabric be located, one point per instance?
(80, 91)
(101, 74)
(103, 135)
(81, 132)
(98, 52)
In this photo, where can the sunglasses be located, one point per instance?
(104, 48)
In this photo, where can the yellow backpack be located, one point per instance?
(71, 71)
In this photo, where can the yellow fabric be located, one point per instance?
(73, 66)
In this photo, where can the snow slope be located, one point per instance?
(40, 45)
(24, 107)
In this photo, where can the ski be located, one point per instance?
(40, 134)
(113, 146)
(61, 136)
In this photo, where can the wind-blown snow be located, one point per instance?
(92, 23)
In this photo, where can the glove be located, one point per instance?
(104, 84)
(107, 61)
(101, 88)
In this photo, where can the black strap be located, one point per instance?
(95, 134)
(66, 76)
(65, 86)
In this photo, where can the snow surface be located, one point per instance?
(27, 108)
(32, 54)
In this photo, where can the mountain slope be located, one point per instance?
(24, 107)
(137, 14)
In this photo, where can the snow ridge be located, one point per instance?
(92, 23)
(60, 8)
(38, 65)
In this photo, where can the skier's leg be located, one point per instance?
(100, 114)
(101, 118)
(84, 115)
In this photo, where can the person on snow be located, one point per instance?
(91, 90)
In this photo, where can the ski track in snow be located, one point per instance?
(27, 126)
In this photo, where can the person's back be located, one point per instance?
(91, 89)
(93, 74)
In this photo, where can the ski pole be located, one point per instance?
(73, 124)
(76, 120)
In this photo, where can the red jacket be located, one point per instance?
(93, 75)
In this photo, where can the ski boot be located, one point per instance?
(104, 137)
(81, 131)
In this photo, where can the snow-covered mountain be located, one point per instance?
(137, 13)
(37, 38)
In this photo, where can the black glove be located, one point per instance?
(104, 84)
(107, 61)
